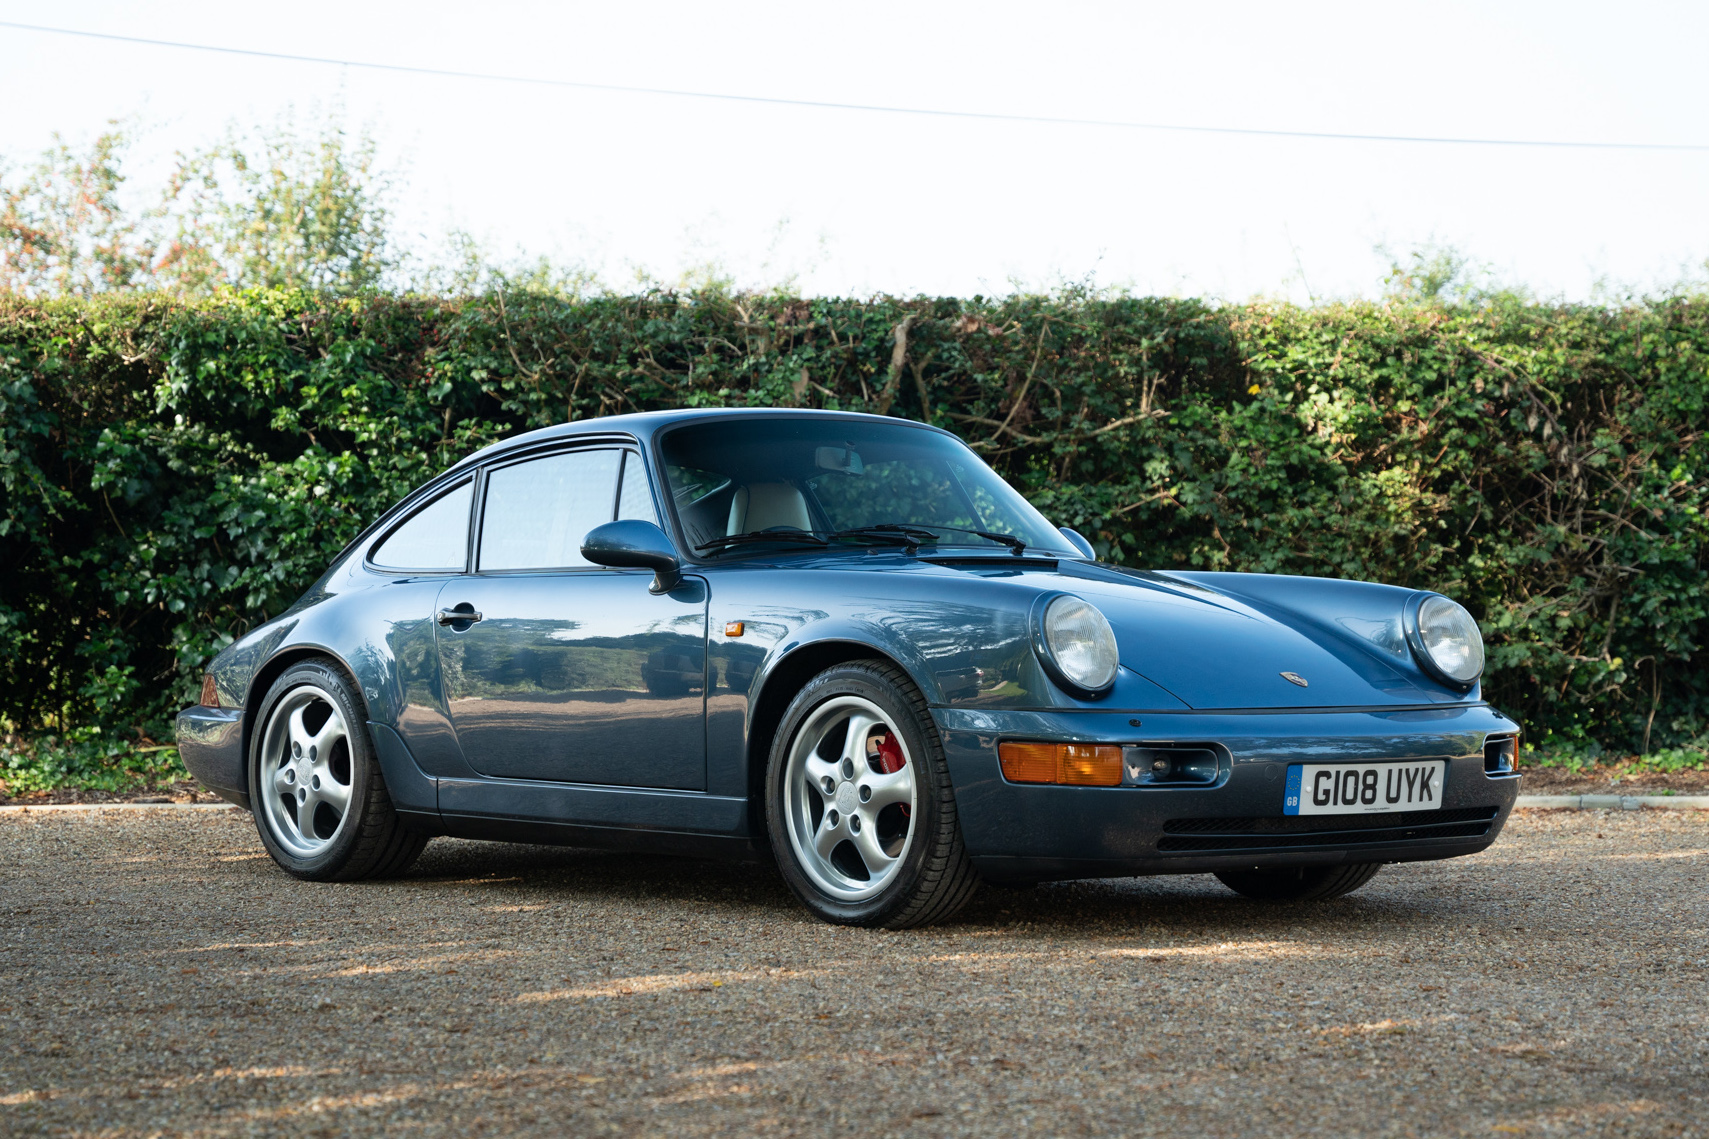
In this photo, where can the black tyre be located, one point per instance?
(1299, 883)
(316, 790)
(859, 805)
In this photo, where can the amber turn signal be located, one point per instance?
(1079, 765)
(733, 629)
(210, 693)
(1028, 763)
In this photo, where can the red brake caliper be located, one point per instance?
(883, 747)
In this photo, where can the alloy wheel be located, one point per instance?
(850, 798)
(305, 771)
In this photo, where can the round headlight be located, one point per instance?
(1452, 646)
(1079, 645)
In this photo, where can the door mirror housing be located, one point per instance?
(631, 543)
(1079, 542)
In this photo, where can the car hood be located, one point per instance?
(1231, 644)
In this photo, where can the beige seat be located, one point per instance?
(762, 505)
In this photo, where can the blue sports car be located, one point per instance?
(843, 642)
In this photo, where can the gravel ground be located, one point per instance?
(161, 976)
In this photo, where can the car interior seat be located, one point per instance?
(763, 505)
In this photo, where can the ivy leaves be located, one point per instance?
(174, 472)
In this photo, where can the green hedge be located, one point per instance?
(174, 473)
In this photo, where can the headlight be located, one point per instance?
(1077, 646)
(1446, 640)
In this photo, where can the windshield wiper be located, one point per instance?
(914, 536)
(909, 536)
(891, 533)
(800, 537)
(1016, 545)
(1013, 541)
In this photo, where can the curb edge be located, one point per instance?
(1612, 802)
(26, 808)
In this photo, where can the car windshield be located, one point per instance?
(769, 483)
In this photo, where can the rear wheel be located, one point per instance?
(1299, 883)
(859, 805)
(316, 790)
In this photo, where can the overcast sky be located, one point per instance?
(861, 202)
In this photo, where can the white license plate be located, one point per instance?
(1364, 788)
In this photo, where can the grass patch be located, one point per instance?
(92, 762)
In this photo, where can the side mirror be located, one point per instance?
(1079, 542)
(630, 543)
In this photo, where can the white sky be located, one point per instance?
(853, 202)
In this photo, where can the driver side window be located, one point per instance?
(538, 511)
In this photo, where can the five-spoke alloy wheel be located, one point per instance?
(305, 771)
(316, 789)
(859, 805)
(851, 798)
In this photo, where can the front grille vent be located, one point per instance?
(1294, 831)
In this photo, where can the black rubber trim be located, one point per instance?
(1271, 833)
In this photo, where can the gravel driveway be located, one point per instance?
(160, 975)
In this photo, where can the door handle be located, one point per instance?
(453, 616)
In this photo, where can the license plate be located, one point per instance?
(1363, 788)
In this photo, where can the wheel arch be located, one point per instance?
(782, 681)
(275, 667)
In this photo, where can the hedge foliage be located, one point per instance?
(176, 472)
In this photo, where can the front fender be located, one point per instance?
(868, 634)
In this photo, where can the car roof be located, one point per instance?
(643, 425)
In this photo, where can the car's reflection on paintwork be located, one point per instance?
(551, 695)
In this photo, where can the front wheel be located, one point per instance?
(859, 805)
(1299, 883)
(318, 797)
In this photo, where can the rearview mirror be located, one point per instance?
(630, 543)
(846, 460)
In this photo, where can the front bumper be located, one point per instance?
(210, 742)
(1033, 832)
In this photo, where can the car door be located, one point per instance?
(419, 554)
(557, 669)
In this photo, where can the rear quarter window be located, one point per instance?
(435, 537)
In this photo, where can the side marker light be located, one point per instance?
(733, 629)
(210, 691)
